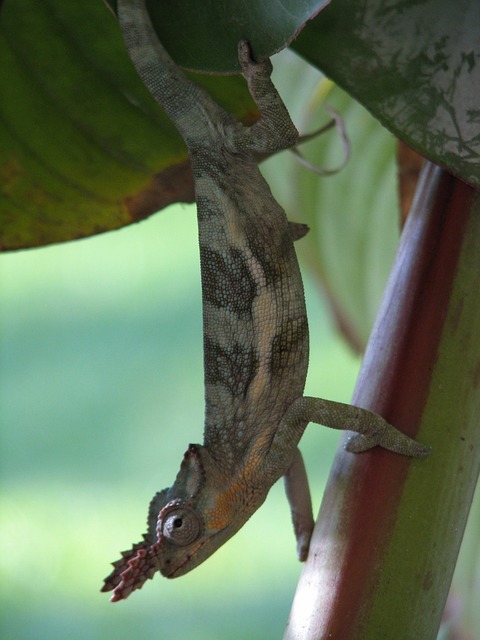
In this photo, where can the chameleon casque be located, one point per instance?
(255, 329)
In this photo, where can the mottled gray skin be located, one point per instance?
(255, 329)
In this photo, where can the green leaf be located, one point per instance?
(414, 65)
(84, 147)
(204, 35)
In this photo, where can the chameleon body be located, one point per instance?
(255, 329)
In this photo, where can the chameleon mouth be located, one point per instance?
(179, 570)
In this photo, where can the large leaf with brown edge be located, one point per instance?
(84, 148)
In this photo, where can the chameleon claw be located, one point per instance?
(393, 440)
(249, 65)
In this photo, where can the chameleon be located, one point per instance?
(255, 328)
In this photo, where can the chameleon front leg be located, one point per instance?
(371, 430)
(300, 501)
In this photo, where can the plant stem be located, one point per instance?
(389, 529)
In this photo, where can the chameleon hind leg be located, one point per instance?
(274, 130)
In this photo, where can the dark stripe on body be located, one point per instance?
(287, 344)
(227, 281)
(273, 250)
(233, 367)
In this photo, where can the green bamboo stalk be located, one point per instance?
(390, 528)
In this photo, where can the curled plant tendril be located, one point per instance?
(339, 124)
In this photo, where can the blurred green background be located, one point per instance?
(101, 392)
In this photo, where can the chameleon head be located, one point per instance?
(185, 538)
(186, 524)
(196, 516)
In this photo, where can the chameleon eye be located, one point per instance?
(181, 526)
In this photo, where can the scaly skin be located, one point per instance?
(255, 329)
